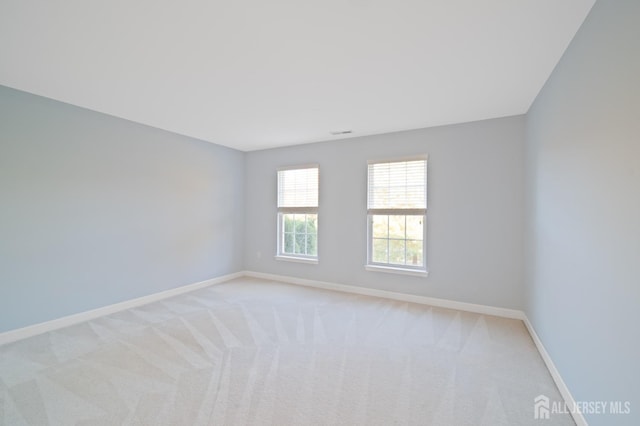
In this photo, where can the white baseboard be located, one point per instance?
(555, 374)
(32, 330)
(441, 303)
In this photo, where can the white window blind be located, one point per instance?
(398, 185)
(298, 188)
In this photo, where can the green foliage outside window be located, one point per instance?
(301, 234)
(397, 239)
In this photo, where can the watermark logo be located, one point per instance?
(543, 407)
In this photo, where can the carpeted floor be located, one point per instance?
(254, 352)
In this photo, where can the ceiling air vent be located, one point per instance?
(341, 132)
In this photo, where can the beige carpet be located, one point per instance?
(256, 352)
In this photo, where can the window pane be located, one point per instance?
(311, 223)
(397, 227)
(415, 228)
(300, 243)
(380, 226)
(380, 254)
(396, 252)
(288, 243)
(312, 245)
(300, 234)
(299, 225)
(288, 222)
(414, 253)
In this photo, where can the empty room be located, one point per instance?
(320, 213)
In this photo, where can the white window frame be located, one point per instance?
(388, 267)
(282, 211)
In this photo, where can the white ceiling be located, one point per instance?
(253, 74)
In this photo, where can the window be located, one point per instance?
(397, 214)
(298, 213)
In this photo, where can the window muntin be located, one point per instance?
(397, 207)
(298, 212)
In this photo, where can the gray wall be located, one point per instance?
(583, 204)
(475, 215)
(96, 210)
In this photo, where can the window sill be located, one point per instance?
(392, 270)
(298, 259)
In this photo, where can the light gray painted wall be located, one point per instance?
(475, 216)
(96, 210)
(583, 186)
